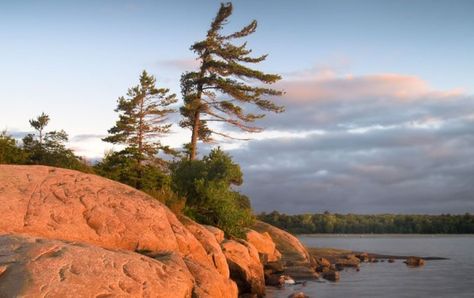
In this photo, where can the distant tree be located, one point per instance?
(39, 124)
(48, 148)
(143, 117)
(221, 90)
(10, 152)
(210, 199)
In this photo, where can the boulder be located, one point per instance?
(38, 267)
(218, 233)
(298, 295)
(414, 261)
(331, 275)
(245, 267)
(294, 256)
(323, 262)
(348, 261)
(391, 260)
(68, 205)
(263, 242)
(288, 245)
(274, 280)
(210, 244)
(363, 257)
(301, 272)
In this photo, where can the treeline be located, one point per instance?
(368, 224)
(224, 90)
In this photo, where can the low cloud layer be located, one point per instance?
(385, 143)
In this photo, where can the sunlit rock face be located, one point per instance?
(71, 206)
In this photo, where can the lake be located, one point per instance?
(441, 278)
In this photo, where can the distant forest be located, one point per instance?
(371, 224)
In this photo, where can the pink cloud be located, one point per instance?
(326, 86)
(182, 64)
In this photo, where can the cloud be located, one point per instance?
(181, 64)
(378, 143)
(86, 137)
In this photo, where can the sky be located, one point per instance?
(379, 95)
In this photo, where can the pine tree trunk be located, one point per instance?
(194, 136)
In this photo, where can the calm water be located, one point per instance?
(445, 278)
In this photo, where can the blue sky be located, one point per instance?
(72, 59)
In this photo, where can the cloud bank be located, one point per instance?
(384, 143)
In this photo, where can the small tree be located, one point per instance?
(48, 148)
(142, 121)
(220, 90)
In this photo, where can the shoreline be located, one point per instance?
(328, 252)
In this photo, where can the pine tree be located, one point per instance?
(220, 91)
(142, 121)
(39, 124)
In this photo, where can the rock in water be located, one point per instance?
(414, 262)
(298, 295)
(331, 275)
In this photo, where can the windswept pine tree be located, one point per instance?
(222, 89)
(143, 120)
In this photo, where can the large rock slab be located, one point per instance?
(245, 267)
(68, 205)
(263, 242)
(37, 267)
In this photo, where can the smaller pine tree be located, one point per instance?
(143, 116)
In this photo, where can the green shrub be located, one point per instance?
(207, 185)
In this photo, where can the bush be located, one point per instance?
(207, 185)
(10, 153)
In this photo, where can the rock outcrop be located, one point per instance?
(37, 267)
(294, 256)
(263, 242)
(245, 267)
(71, 206)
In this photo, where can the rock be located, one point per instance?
(294, 256)
(34, 267)
(414, 262)
(245, 267)
(331, 275)
(298, 295)
(322, 262)
(274, 267)
(301, 272)
(274, 280)
(264, 244)
(218, 233)
(363, 257)
(210, 244)
(72, 206)
(288, 245)
(348, 261)
(391, 260)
